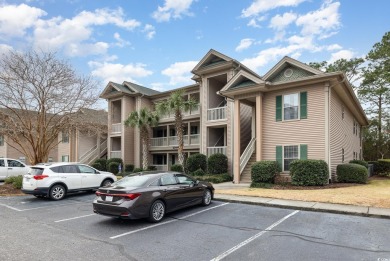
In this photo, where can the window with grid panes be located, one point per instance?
(290, 153)
(290, 106)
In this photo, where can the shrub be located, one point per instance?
(264, 171)
(352, 173)
(177, 167)
(129, 167)
(359, 162)
(113, 167)
(215, 178)
(197, 161)
(97, 166)
(16, 181)
(309, 172)
(118, 160)
(103, 164)
(138, 170)
(151, 168)
(198, 172)
(217, 163)
(383, 167)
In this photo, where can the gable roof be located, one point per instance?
(290, 62)
(113, 88)
(242, 79)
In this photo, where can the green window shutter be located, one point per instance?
(303, 151)
(279, 108)
(303, 104)
(279, 156)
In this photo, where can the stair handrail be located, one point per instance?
(92, 152)
(246, 155)
(215, 145)
(86, 154)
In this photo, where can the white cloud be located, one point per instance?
(180, 72)
(321, 21)
(150, 31)
(120, 42)
(172, 9)
(261, 6)
(279, 22)
(244, 44)
(333, 47)
(158, 86)
(254, 21)
(117, 72)
(342, 54)
(4, 48)
(72, 35)
(16, 19)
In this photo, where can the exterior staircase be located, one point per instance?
(246, 173)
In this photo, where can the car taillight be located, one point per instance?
(40, 177)
(131, 196)
(98, 193)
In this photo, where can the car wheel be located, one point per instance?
(157, 211)
(106, 183)
(57, 192)
(206, 197)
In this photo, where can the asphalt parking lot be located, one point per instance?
(41, 229)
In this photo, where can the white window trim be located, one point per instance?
(299, 107)
(299, 155)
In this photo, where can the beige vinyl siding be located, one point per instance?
(63, 148)
(341, 133)
(130, 153)
(85, 143)
(310, 131)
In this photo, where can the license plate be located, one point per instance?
(108, 198)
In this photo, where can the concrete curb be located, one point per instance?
(307, 206)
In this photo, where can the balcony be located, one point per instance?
(195, 111)
(216, 114)
(193, 139)
(116, 128)
(214, 150)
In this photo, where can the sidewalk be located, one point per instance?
(295, 204)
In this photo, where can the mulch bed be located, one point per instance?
(9, 190)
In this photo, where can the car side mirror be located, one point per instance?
(196, 183)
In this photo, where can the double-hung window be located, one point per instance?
(291, 106)
(286, 154)
(65, 137)
(1, 140)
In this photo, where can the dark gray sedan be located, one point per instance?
(151, 195)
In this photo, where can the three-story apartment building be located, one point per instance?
(292, 112)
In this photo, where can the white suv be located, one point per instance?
(12, 167)
(57, 179)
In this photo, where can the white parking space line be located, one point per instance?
(46, 207)
(167, 222)
(62, 220)
(231, 250)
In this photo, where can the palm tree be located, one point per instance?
(177, 104)
(143, 119)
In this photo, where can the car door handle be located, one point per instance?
(9, 168)
(63, 177)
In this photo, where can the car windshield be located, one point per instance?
(132, 181)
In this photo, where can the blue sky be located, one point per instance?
(157, 43)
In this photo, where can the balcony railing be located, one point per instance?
(159, 142)
(194, 139)
(116, 154)
(214, 150)
(194, 111)
(216, 114)
(116, 128)
(161, 167)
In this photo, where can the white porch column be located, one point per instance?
(259, 126)
(236, 141)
